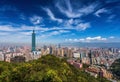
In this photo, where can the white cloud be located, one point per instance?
(75, 40)
(22, 16)
(82, 39)
(110, 18)
(111, 37)
(16, 37)
(83, 26)
(24, 28)
(10, 28)
(36, 20)
(103, 10)
(67, 11)
(76, 24)
(7, 28)
(51, 15)
(87, 39)
(69, 40)
(53, 33)
(99, 38)
(72, 12)
(26, 33)
(68, 23)
(71, 21)
(88, 9)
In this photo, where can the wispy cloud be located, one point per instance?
(111, 37)
(7, 28)
(26, 33)
(110, 18)
(88, 9)
(66, 8)
(16, 37)
(10, 28)
(11, 34)
(36, 20)
(51, 15)
(72, 12)
(100, 11)
(53, 33)
(26, 30)
(83, 26)
(76, 24)
(68, 11)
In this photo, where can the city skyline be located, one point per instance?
(60, 21)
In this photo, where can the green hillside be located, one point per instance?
(115, 68)
(46, 69)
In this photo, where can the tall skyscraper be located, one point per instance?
(81, 57)
(33, 41)
(59, 46)
(51, 50)
(90, 56)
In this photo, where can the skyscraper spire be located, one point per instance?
(33, 31)
(33, 41)
(90, 56)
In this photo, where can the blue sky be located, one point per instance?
(57, 21)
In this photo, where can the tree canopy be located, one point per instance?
(45, 69)
(115, 68)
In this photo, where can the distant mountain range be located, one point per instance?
(70, 44)
(101, 45)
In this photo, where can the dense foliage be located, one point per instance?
(115, 68)
(46, 69)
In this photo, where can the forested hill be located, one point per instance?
(46, 69)
(115, 68)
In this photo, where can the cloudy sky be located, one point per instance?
(57, 21)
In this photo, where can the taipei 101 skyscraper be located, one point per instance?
(33, 41)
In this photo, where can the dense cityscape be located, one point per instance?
(99, 60)
(59, 41)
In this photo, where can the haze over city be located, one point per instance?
(59, 21)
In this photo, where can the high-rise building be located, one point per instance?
(80, 57)
(90, 56)
(51, 50)
(33, 41)
(59, 46)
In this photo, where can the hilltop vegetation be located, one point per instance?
(115, 68)
(46, 69)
